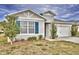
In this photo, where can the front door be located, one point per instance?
(48, 30)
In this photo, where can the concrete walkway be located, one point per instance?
(71, 39)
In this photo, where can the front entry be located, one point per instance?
(48, 30)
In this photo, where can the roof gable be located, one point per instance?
(28, 13)
(49, 13)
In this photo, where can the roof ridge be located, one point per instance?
(49, 12)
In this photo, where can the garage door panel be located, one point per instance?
(63, 31)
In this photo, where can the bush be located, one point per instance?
(77, 34)
(53, 31)
(32, 38)
(3, 40)
(40, 37)
(74, 30)
(1, 32)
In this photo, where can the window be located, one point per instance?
(27, 27)
(23, 28)
(31, 27)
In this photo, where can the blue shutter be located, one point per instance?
(36, 27)
(18, 25)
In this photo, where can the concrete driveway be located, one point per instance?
(71, 39)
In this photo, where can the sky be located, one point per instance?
(62, 11)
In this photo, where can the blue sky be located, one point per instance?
(63, 11)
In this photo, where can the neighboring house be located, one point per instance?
(33, 24)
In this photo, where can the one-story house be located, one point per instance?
(33, 24)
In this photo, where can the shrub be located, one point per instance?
(31, 38)
(77, 34)
(40, 37)
(74, 30)
(3, 40)
(1, 32)
(53, 31)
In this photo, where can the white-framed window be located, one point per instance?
(31, 27)
(27, 27)
(23, 27)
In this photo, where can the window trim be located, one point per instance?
(22, 27)
(27, 27)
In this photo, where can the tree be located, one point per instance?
(53, 31)
(10, 27)
(74, 29)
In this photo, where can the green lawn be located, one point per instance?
(40, 47)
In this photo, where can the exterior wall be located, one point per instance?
(41, 28)
(49, 19)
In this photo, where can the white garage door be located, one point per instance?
(63, 31)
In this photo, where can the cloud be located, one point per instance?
(62, 11)
(5, 10)
(44, 8)
(74, 15)
(66, 15)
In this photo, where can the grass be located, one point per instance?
(40, 47)
(3, 39)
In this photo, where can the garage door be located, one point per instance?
(63, 31)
